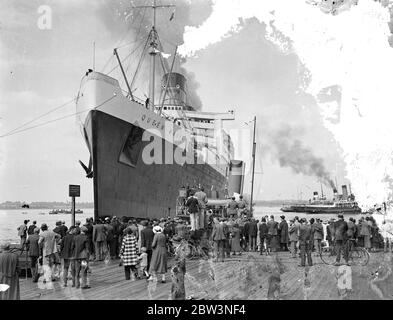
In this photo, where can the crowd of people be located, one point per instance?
(142, 245)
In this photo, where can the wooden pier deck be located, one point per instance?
(248, 276)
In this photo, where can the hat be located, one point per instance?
(282, 217)
(58, 223)
(157, 229)
(44, 225)
(84, 229)
(144, 223)
(340, 216)
(77, 223)
(5, 246)
(107, 219)
(36, 230)
(143, 249)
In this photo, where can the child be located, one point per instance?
(143, 263)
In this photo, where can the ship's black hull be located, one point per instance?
(142, 190)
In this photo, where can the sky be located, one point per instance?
(258, 60)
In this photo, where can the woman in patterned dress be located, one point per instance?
(128, 253)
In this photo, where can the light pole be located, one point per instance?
(254, 145)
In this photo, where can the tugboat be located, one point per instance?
(341, 203)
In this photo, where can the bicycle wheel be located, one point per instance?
(328, 255)
(185, 249)
(359, 256)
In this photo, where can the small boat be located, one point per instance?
(24, 212)
(78, 211)
(53, 212)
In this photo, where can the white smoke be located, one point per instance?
(348, 51)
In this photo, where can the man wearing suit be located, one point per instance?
(147, 236)
(219, 238)
(272, 234)
(252, 233)
(318, 235)
(48, 240)
(66, 253)
(263, 231)
(202, 201)
(193, 209)
(340, 237)
(81, 258)
(34, 252)
(99, 238)
(293, 237)
(305, 243)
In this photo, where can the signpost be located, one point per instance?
(74, 191)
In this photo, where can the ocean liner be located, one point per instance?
(135, 145)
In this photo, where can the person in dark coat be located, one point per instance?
(359, 236)
(158, 263)
(22, 232)
(272, 234)
(99, 238)
(110, 239)
(219, 239)
(305, 243)
(318, 236)
(252, 233)
(81, 258)
(31, 228)
(192, 204)
(67, 254)
(9, 273)
(312, 225)
(89, 235)
(235, 241)
(330, 233)
(147, 237)
(284, 238)
(263, 232)
(60, 229)
(340, 238)
(34, 253)
(293, 232)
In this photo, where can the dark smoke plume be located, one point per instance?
(119, 16)
(292, 153)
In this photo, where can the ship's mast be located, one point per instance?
(153, 44)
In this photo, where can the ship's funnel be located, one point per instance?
(176, 95)
(335, 194)
(315, 195)
(236, 177)
(345, 192)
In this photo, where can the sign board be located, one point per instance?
(74, 190)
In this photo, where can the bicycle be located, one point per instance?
(356, 255)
